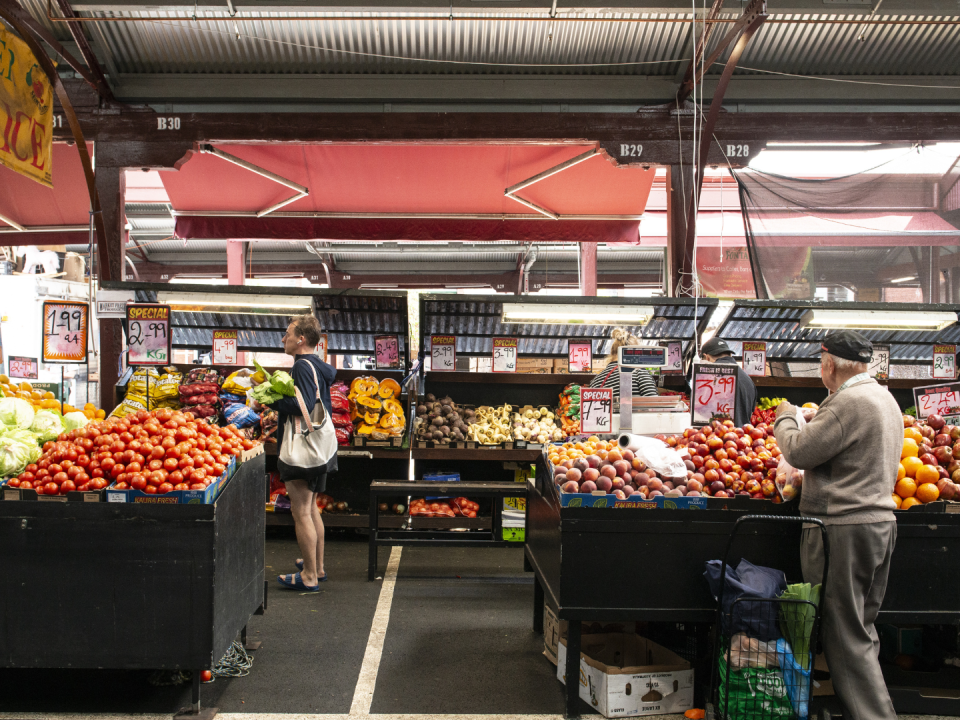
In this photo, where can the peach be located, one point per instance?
(574, 474)
(591, 474)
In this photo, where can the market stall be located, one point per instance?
(667, 535)
(367, 327)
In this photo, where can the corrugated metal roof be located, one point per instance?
(382, 43)
(475, 321)
(780, 328)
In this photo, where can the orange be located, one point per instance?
(911, 465)
(897, 499)
(911, 433)
(910, 448)
(927, 492)
(909, 503)
(901, 471)
(906, 488)
(927, 474)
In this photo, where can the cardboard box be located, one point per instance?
(534, 370)
(625, 675)
(527, 362)
(14, 493)
(601, 499)
(175, 497)
(555, 629)
(821, 685)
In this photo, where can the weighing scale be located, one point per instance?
(662, 414)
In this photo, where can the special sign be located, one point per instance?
(596, 410)
(944, 362)
(26, 111)
(755, 358)
(443, 353)
(714, 392)
(64, 332)
(505, 355)
(224, 347)
(148, 334)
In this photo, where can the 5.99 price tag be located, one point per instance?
(505, 355)
(714, 393)
(443, 353)
(64, 332)
(879, 366)
(596, 410)
(148, 334)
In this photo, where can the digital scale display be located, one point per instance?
(642, 357)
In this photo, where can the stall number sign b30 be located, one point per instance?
(64, 332)
(148, 334)
(714, 393)
(944, 362)
(504, 355)
(596, 410)
(224, 347)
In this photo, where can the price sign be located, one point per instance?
(388, 352)
(944, 362)
(714, 393)
(879, 367)
(504, 355)
(596, 410)
(580, 356)
(64, 332)
(25, 368)
(148, 334)
(224, 347)
(937, 400)
(443, 353)
(674, 359)
(755, 358)
(322, 347)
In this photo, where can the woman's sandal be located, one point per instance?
(299, 564)
(295, 582)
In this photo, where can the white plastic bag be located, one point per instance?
(748, 652)
(789, 479)
(656, 454)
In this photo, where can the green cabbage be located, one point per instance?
(46, 426)
(265, 394)
(282, 383)
(74, 420)
(27, 437)
(15, 456)
(16, 413)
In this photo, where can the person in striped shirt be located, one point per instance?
(609, 377)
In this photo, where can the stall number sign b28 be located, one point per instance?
(944, 362)
(714, 393)
(596, 410)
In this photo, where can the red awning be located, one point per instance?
(394, 192)
(59, 216)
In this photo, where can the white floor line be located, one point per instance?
(367, 682)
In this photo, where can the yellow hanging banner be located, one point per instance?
(26, 111)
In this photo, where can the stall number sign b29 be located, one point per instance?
(596, 410)
(505, 355)
(64, 332)
(714, 393)
(443, 353)
(944, 362)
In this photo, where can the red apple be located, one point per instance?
(936, 422)
(942, 440)
(928, 459)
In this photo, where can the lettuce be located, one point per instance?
(282, 383)
(15, 456)
(46, 426)
(16, 413)
(74, 420)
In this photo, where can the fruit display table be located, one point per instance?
(618, 565)
(132, 586)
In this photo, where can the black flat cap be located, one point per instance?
(715, 346)
(849, 345)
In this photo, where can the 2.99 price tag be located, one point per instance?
(443, 353)
(148, 334)
(388, 352)
(505, 355)
(714, 393)
(64, 332)
(24, 368)
(596, 410)
(944, 362)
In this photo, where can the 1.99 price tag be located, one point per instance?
(579, 356)
(64, 332)
(714, 393)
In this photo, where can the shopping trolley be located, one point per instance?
(764, 648)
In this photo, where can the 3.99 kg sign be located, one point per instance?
(714, 394)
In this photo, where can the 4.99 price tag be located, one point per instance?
(714, 393)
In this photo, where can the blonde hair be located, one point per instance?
(620, 338)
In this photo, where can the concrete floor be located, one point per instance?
(459, 642)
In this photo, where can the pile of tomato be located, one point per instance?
(457, 507)
(155, 452)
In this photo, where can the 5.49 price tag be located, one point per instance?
(443, 353)
(596, 410)
(714, 393)
(64, 332)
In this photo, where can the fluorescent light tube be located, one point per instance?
(576, 314)
(235, 304)
(908, 278)
(877, 319)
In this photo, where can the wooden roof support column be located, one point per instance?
(76, 30)
(686, 86)
(748, 23)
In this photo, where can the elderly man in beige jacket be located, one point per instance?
(860, 419)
